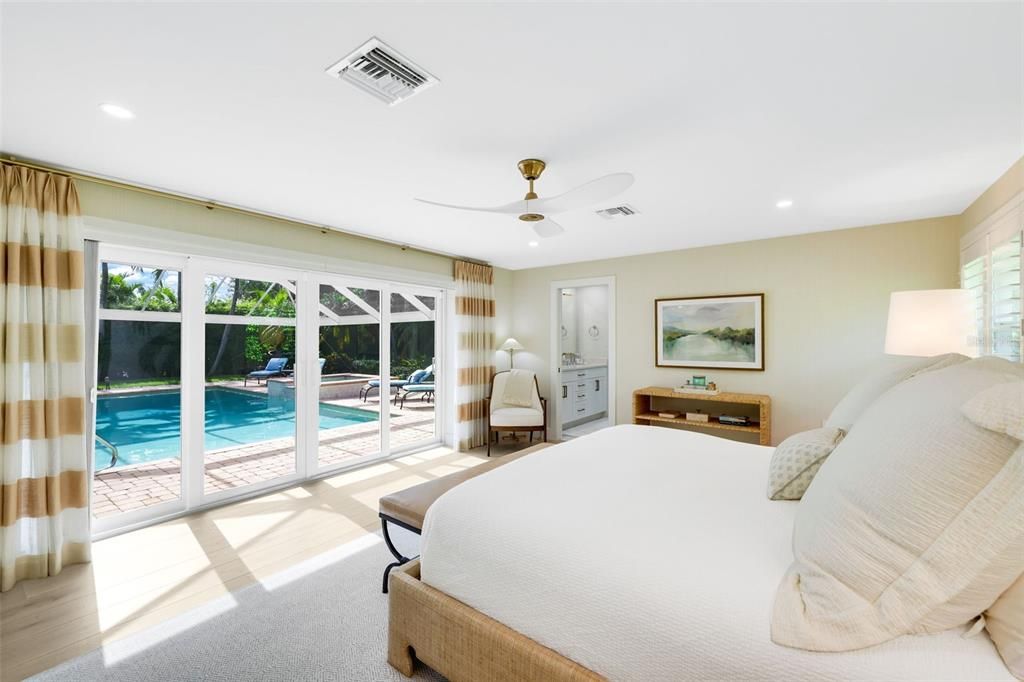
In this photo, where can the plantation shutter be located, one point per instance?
(973, 278)
(990, 268)
(1006, 298)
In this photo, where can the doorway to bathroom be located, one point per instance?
(583, 356)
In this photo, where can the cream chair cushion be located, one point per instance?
(503, 414)
(517, 416)
(892, 370)
(913, 523)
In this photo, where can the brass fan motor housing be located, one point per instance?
(531, 168)
(531, 217)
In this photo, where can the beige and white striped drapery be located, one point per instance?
(474, 325)
(44, 497)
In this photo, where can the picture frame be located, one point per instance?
(710, 332)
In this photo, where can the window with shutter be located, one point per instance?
(972, 278)
(990, 268)
(1006, 294)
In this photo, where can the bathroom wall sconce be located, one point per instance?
(594, 332)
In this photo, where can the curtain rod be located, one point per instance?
(211, 205)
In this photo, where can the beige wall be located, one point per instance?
(127, 206)
(1005, 188)
(826, 303)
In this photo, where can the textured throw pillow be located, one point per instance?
(891, 371)
(914, 522)
(796, 461)
(1004, 621)
(1000, 408)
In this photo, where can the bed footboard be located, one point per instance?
(461, 643)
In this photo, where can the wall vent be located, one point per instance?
(379, 70)
(616, 211)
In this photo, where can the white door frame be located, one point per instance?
(555, 380)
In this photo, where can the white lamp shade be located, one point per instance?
(931, 322)
(511, 344)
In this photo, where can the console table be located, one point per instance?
(648, 402)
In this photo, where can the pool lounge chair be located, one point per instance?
(420, 383)
(413, 378)
(425, 391)
(274, 368)
(364, 392)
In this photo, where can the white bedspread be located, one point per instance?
(652, 554)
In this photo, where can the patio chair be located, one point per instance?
(398, 384)
(274, 368)
(420, 383)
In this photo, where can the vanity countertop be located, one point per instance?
(585, 365)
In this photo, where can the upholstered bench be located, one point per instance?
(407, 508)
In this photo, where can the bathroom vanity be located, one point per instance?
(584, 394)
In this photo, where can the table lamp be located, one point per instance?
(931, 322)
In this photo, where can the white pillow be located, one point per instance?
(889, 372)
(912, 524)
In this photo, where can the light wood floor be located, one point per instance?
(146, 576)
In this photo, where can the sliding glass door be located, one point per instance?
(413, 367)
(217, 378)
(349, 384)
(250, 380)
(137, 468)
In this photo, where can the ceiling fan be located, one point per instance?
(532, 209)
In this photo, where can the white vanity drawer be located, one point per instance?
(570, 374)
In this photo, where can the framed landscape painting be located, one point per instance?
(715, 332)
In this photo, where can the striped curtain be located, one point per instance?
(44, 497)
(474, 325)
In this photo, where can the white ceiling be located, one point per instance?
(860, 113)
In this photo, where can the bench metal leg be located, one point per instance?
(402, 559)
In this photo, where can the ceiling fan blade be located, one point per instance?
(547, 228)
(514, 208)
(585, 195)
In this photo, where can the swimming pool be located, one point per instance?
(147, 426)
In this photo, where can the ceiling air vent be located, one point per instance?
(616, 211)
(380, 70)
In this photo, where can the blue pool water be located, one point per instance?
(147, 426)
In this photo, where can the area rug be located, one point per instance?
(323, 619)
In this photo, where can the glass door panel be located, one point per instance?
(350, 391)
(250, 389)
(137, 463)
(413, 335)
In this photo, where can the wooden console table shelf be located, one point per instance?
(645, 413)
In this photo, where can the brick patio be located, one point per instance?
(142, 485)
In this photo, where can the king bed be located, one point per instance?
(635, 553)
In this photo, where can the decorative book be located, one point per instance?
(696, 417)
(669, 414)
(698, 391)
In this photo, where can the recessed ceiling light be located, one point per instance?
(534, 243)
(784, 203)
(116, 110)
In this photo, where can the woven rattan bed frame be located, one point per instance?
(461, 643)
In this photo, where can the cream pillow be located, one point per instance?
(891, 371)
(797, 459)
(910, 524)
(1001, 409)
(1004, 621)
